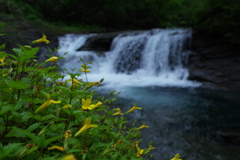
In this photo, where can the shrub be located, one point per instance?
(46, 116)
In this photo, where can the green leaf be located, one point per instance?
(140, 158)
(74, 75)
(51, 158)
(50, 116)
(84, 157)
(17, 84)
(28, 53)
(27, 69)
(2, 53)
(65, 110)
(31, 155)
(2, 126)
(74, 150)
(99, 145)
(16, 114)
(37, 117)
(73, 141)
(18, 106)
(108, 122)
(5, 109)
(18, 132)
(64, 89)
(74, 101)
(58, 126)
(46, 142)
(14, 57)
(34, 126)
(18, 52)
(26, 115)
(116, 156)
(10, 150)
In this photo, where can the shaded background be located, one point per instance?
(213, 16)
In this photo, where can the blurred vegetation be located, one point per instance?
(49, 114)
(213, 16)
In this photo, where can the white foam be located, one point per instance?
(161, 63)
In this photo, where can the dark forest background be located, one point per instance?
(212, 16)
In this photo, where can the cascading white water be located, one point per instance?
(196, 118)
(157, 57)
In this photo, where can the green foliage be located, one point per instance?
(2, 24)
(45, 116)
(213, 16)
(10, 6)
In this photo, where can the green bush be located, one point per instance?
(44, 116)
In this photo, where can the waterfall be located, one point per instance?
(156, 57)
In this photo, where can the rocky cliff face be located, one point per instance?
(215, 60)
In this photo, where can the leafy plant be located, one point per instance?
(45, 115)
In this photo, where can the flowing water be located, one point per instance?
(150, 68)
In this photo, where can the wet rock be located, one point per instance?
(102, 42)
(232, 137)
(215, 60)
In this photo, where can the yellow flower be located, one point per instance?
(135, 144)
(69, 157)
(143, 126)
(74, 81)
(47, 103)
(73, 86)
(133, 108)
(98, 104)
(139, 151)
(118, 112)
(43, 39)
(3, 74)
(84, 70)
(151, 147)
(2, 59)
(67, 106)
(176, 157)
(97, 83)
(56, 147)
(87, 125)
(67, 134)
(117, 109)
(86, 104)
(52, 59)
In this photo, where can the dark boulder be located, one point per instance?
(102, 42)
(215, 60)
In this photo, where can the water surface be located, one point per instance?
(199, 123)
